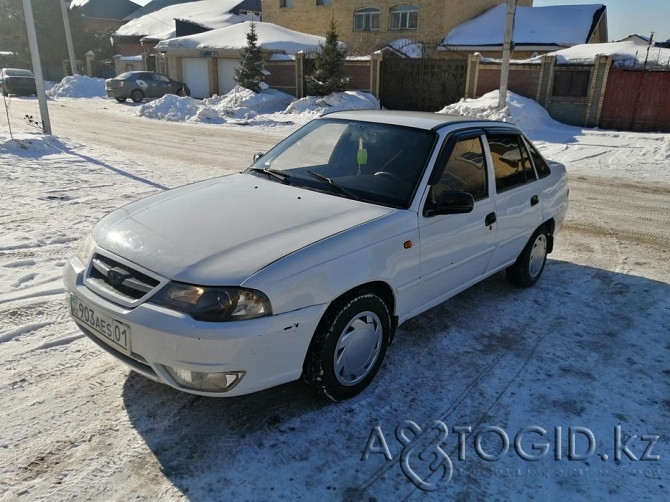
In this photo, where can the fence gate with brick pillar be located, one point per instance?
(421, 84)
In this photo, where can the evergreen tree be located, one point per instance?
(328, 75)
(250, 72)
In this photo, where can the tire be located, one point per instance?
(137, 96)
(4, 92)
(121, 100)
(184, 91)
(349, 346)
(529, 265)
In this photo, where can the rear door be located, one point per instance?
(517, 195)
(456, 248)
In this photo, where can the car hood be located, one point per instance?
(222, 231)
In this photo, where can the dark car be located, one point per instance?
(138, 85)
(17, 81)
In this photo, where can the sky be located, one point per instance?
(624, 17)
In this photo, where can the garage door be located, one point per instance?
(227, 74)
(196, 75)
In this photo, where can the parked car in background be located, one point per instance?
(138, 85)
(304, 264)
(17, 81)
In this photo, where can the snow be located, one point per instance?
(560, 24)
(78, 86)
(160, 24)
(270, 38)
(587, 346)
(628, 53)
(408, 47)
(244, 107)
(131, 58)
(338, 101)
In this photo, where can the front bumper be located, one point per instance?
(270, 350)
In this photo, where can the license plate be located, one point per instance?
(111, 331)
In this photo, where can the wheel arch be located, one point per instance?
(550, 225)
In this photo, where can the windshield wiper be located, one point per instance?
(337, 188)
(272, 173)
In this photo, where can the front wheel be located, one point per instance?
(121, 100)
(349, 346)
(529, 265)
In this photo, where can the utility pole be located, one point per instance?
(37, 66)
(507, 50)
(68, 38)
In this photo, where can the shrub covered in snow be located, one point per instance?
(78, 86)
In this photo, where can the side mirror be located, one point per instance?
(450, 202)
(258, 155)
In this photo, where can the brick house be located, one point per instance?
(369, 25)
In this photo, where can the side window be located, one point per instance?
(511, 163)
(160, 78)
(540, 164)
(465, 170)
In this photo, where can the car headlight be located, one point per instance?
(86, 249)
(213, 304)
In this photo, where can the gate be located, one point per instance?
(636, 100)
(421, 84)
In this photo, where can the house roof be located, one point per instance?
(105, 9)
(160, 24)
(625, 53)
(270, 38)
(558, 25)
(153, 6)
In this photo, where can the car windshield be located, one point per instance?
(11, 72)
(368, 161)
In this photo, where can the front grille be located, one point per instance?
(112, 275)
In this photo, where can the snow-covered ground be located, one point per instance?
(586, 347)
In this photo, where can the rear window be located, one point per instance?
(10, 72)
(129, 75)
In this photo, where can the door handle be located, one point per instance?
(534, 200)
(490, 219)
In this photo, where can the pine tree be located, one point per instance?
(328, 75)
(250, 72)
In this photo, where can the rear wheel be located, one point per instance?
(121, 100)
(184, 91)
(529, 265)
(137, 96)
(349, 346)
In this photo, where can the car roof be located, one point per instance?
(418, 120)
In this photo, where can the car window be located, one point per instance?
(376, 162)
(125, 76)
(541, 166)
(511, 163)
(161, 78)
(464, 171)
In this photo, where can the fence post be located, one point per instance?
(597, 87)
(472, 75)
(546, 82)
(300, 75)
(375, 73)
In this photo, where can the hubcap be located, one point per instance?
(358, 348)
(537, 256)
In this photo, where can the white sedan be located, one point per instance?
(304, 264)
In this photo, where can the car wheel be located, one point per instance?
(4, 92)
(121, 100)
(529, 265)
(137, 96)
(184, 91)
(349, 346)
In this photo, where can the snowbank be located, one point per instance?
(336, 102)
(238, 104)
(626, 53)
(527, 114)
(78, 86)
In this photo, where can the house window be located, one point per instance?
(366, 19)
(571, 83)
(285, 3)
(404, 17)
(322, 2)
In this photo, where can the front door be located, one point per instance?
(456, 248)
